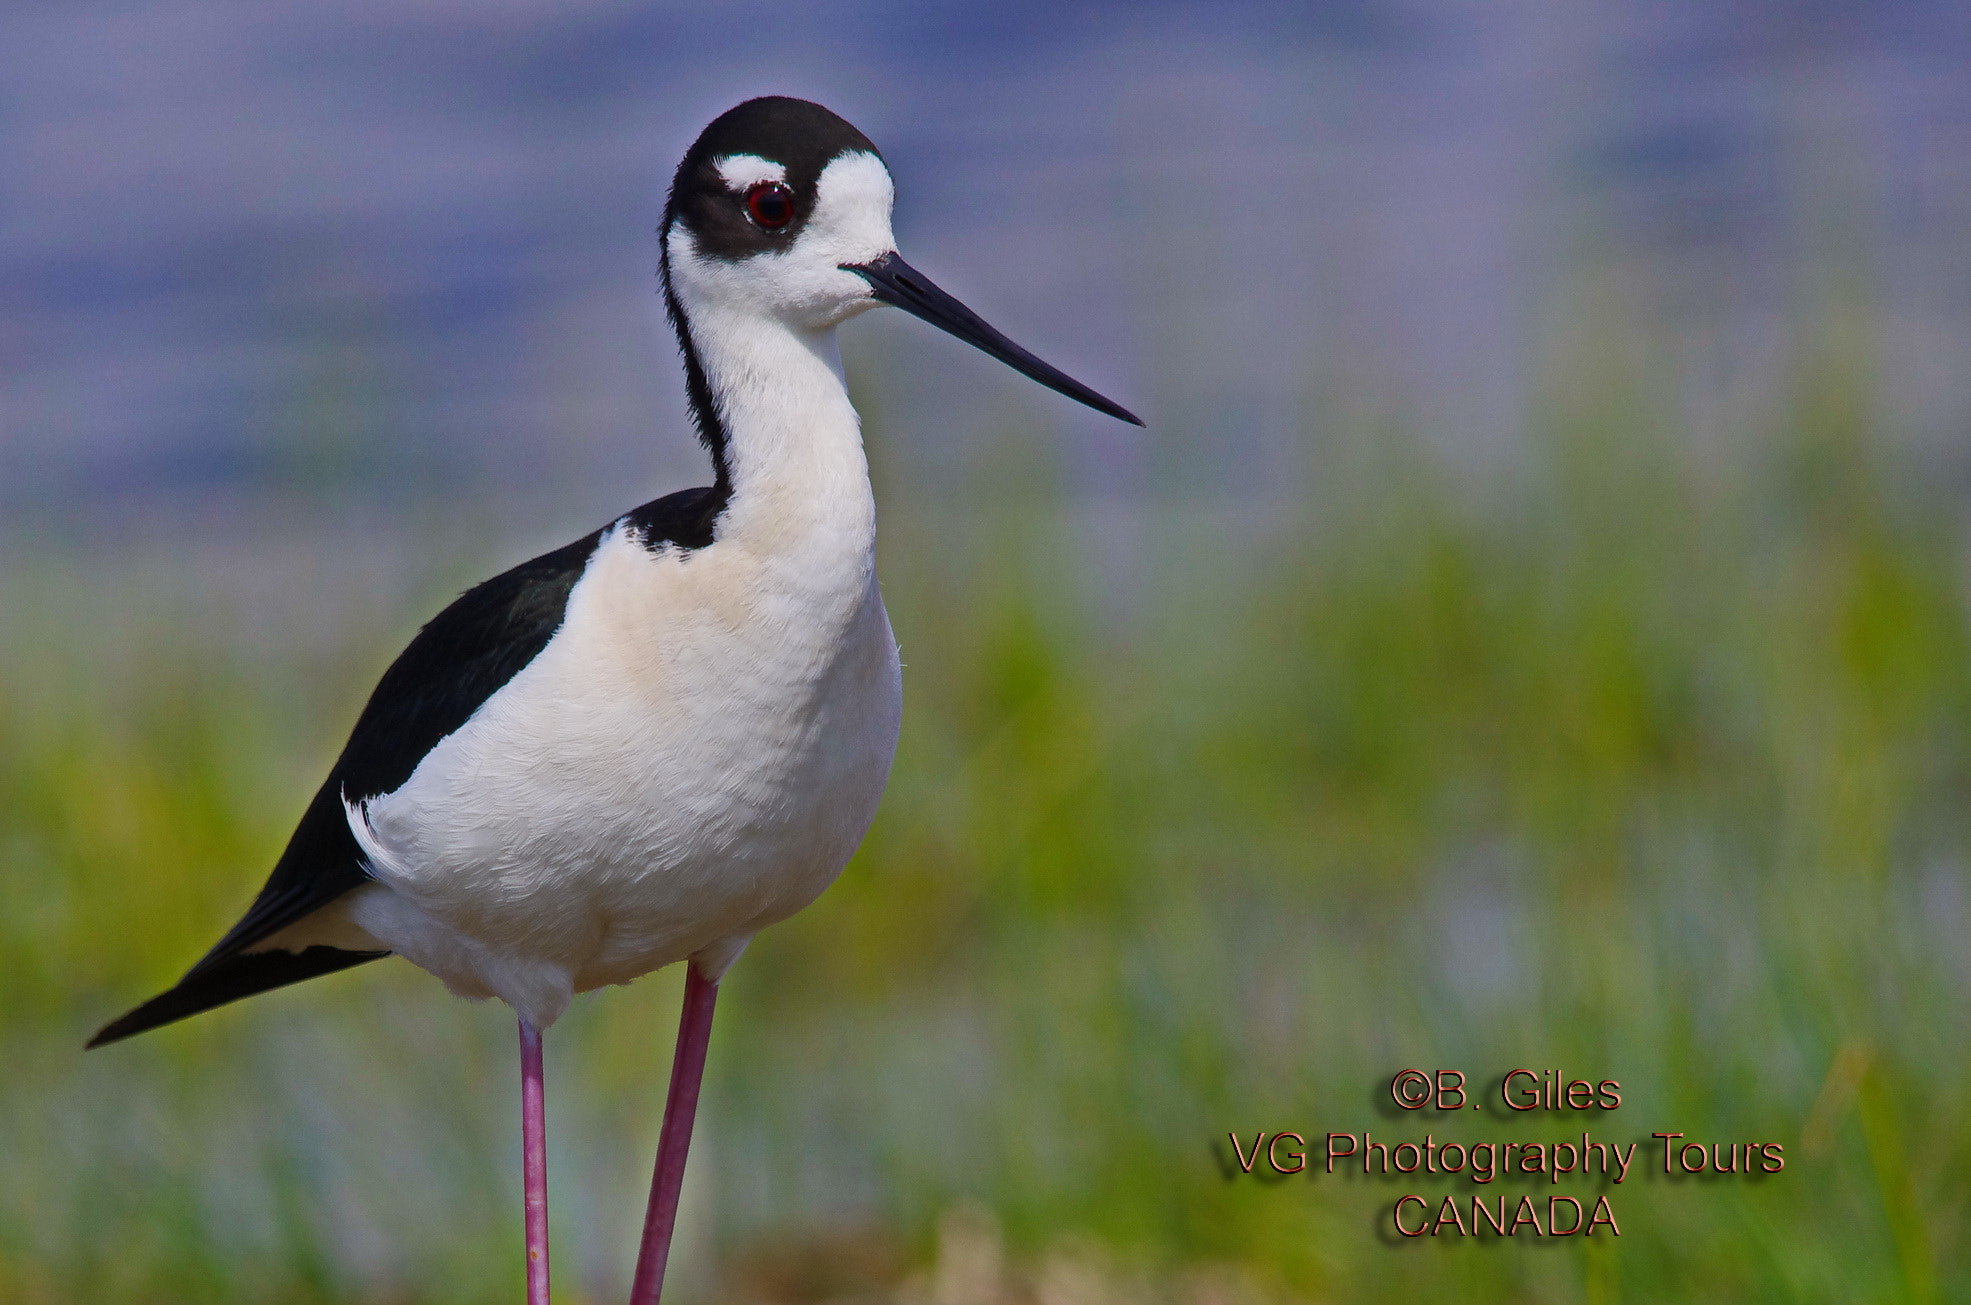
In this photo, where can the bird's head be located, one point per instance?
(780, 212)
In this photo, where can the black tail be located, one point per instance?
(229, 980)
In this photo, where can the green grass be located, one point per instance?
(1644, 762)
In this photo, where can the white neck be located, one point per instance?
(794, 442)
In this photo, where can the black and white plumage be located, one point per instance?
(458, 661)
(648, 745)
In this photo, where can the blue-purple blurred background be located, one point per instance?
(378, 249)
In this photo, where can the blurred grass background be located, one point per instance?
(1643, 758)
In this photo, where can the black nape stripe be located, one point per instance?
(705, 415)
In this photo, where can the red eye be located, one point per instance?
(771, 204)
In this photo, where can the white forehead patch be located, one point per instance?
(743, 171)
(854, 191)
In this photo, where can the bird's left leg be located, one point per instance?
(680, 1107)
(533, 1161)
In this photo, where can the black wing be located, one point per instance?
(456, 662)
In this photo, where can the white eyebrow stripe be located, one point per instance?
(740, 171)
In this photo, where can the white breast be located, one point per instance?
(694, 755)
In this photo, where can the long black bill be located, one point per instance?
(897, 282)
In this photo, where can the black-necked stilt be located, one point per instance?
(647, 746)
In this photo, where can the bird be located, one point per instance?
(642, 748)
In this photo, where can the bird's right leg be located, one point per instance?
(533, 1161)
(680, 1108)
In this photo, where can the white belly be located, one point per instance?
(694, 755)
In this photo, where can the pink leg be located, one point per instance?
(687, 1069)
(533, 1161)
